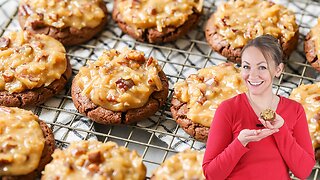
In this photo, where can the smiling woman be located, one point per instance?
(239, 149)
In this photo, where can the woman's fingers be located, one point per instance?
(260, 134)
(247, 135)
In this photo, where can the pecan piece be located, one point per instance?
(201, 100)
(25, 10)
(95, 157)
(5, 159)
(8, 76)
(135, 56)
(79, 151)
(26, 49)
(150, 60)
(37, 24)
(152, 11)
(124, 84)
(4, 43)
(8, 146)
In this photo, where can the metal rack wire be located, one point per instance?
(158, 137)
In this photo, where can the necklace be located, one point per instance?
(256, 108)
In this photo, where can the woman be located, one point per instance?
(243, 146)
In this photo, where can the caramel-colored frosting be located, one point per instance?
(119, 81)
(268, 115)
(30, 61)
(242, 20)
(316, 37)
(145, 14)
(184, 165)
(309, 96)
(21, 141)
(204, 91)
(95, 160)
(61, 14)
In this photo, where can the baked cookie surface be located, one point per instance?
(268, 115)
(156, 21)
(309, 96)
(312, 46)
(26, 144)
(71, 22)
(33, 68)
(120, 87)
(195, 99)
(183, 165)
(236, 22)
(95, 160)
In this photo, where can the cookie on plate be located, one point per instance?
(236, 22)
(183, 165)
(33, 68)
(71, 22)
(121, 87)
(195, 99)
(95, 160)
(312, 46)
(156, 21)
(26, 144)
(309, 96)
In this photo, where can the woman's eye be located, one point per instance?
(262, 67)
(245, 67)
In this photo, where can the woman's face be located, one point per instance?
(258, 72)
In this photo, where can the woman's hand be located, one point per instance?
(248, 135)
(276, 124)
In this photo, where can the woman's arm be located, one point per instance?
(296, 149)
(222, 151)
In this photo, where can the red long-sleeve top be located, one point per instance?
(270, 158)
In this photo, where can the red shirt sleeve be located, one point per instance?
(222, 151)
(296, 148)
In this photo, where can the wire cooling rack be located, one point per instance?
(157, 137)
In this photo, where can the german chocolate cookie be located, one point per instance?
(156, 21)
(71, 22)
(236, 22)
(120, 87)
(268, 115)
(184, 165)
(33, 68)
(26, 144)
(312, 46)
(195, 99)
(95, 160)
(309, 96)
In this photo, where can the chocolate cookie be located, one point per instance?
(71, 22)
(194, 100)
(236, 22)
(48, 145)
(268, 115)
(121, 87)
(311, 47)
(155, 21)
(308, 95)
(179, 112)
(95, 160)
(33, 70)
